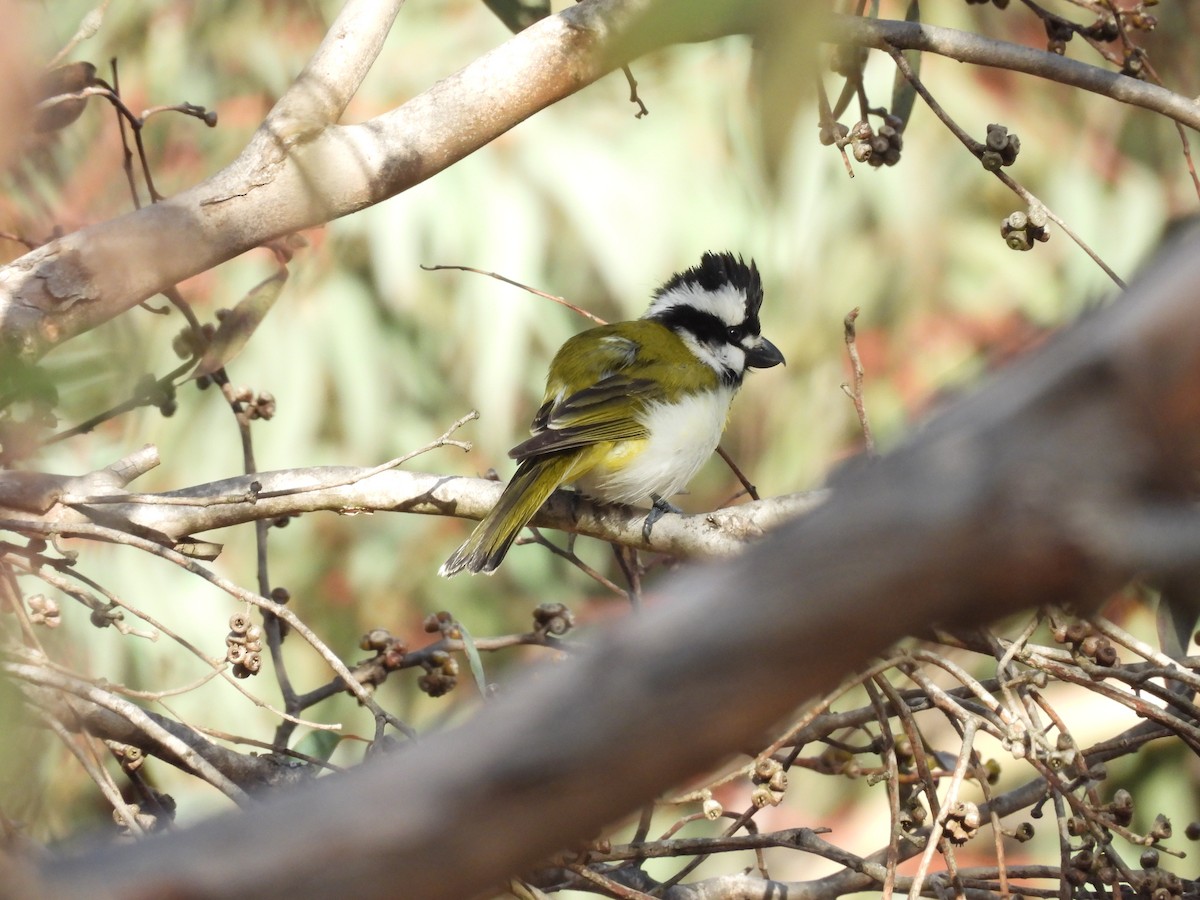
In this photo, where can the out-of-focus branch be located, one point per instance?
(1016, 496)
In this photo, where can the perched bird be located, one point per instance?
(632, 410)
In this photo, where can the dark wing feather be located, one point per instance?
(608, 409)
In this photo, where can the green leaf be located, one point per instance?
(239, 323)
(903, 93)
(318, 744)
(474, 660)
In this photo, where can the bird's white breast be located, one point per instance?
(682, 436)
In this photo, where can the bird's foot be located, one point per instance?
(660, 508)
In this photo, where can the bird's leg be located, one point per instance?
(660, 508)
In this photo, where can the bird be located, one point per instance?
(633, 409)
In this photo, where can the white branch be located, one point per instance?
(333, 75)
(234, 501)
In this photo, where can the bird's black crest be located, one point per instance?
(717, 270)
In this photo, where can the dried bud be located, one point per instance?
(1162, 828)
(997, 137)
(1023, 832)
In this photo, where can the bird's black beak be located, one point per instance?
(764, 355)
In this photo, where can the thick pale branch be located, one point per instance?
(295, 174)
(333, 75)
(235, 501)
(981, 513)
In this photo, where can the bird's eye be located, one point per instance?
(734, 333)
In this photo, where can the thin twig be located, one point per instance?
(634, 97)
(976, 149)
(444, 441)
(135, 715)
(855, 390)
(827, 120)
(892, 775)
(524, 287)
(102, 533)
(939, 823)
(747, 486)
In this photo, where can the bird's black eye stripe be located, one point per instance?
(704, 326)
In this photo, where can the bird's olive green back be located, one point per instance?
(602, 379)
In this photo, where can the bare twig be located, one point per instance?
(1008, 181)
(855, 390)
(560, 300)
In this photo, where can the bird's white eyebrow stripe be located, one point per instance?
(727, 303)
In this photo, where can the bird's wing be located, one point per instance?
(606, 411)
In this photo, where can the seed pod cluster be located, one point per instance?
(552, 619)
(1087, 642)
(1020, 230)
(441, 674)
(43, 610)
(962, 822)
(155, 814)
(389, 649)
(770, 782)
(877, 147)
(243, 646)
(1000, 148)
(258, 406)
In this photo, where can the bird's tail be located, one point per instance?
(534, 481)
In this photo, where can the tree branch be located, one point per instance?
(986, 510)
(269, 495)
(64, 696)
(298, 171)
(333, 75)
(173, 747)
(967, 47)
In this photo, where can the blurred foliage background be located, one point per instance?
(370, 356)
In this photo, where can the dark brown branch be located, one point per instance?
(992, 507)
